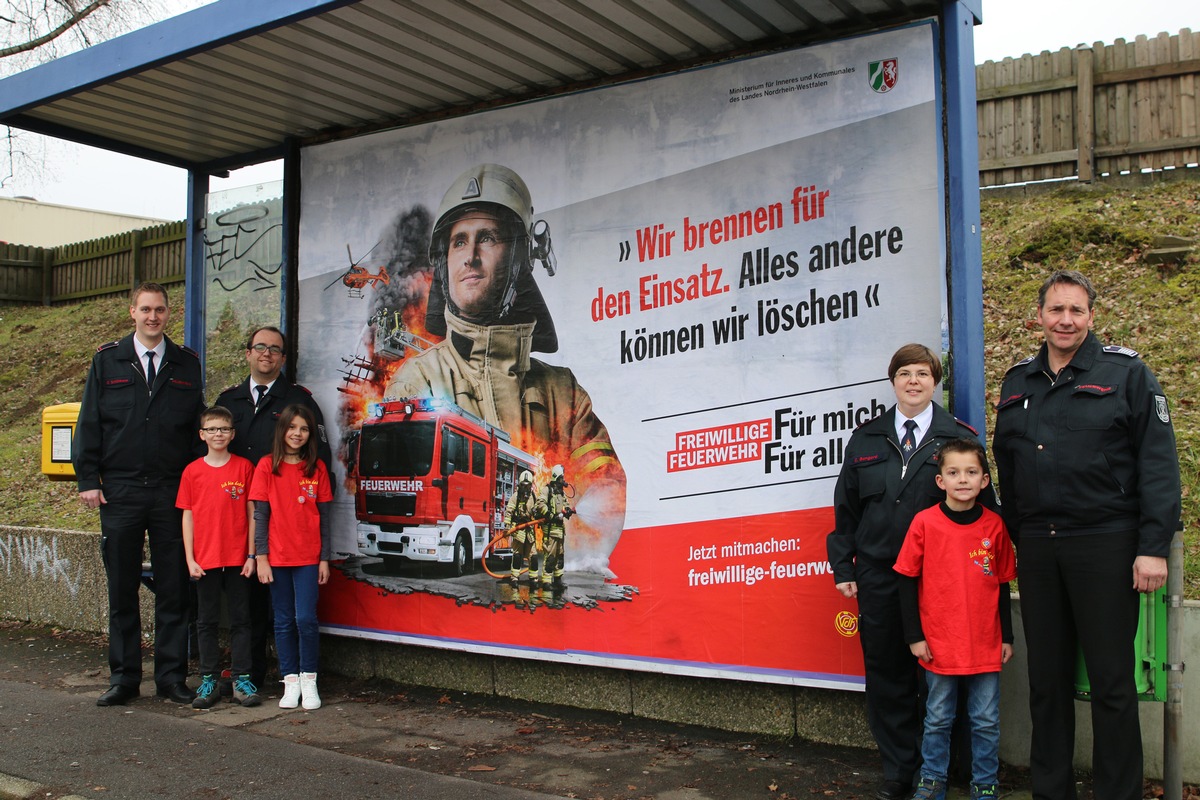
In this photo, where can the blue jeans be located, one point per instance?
(983, 713)
(297, 632)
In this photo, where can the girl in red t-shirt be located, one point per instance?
(291, 494)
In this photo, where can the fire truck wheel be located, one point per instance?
(462, 557)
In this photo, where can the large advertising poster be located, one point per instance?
(589, 364)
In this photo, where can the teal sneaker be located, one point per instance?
(208, 694)
(929, 789)
(245, 692)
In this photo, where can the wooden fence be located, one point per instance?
(110, 265)
(1091, 111)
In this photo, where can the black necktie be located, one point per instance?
(151, 372)
(909, 442)
(262, 392)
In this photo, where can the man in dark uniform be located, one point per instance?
(1089, 476)
(136, 432)
(256, 404)
(889, 474)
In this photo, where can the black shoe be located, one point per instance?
(117, 695)
(892, 790)
(177, 693)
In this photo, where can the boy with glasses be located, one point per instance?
(218, 541)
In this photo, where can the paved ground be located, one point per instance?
(373, 739)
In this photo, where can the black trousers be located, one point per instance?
(896, 685)
(1077, 591)
(130, 516)
(262, 626)
(226, 581)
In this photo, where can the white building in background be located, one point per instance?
(26, 221)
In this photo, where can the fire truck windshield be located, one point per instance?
(396, 449)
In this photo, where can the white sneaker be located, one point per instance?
(291, 692)
(308, 690)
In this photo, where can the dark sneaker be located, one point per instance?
(983, 791)
(929, 789)
(207, 694)
(245, 692)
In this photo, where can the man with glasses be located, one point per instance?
(256, 404)
(136, 433)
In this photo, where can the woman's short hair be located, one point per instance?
(913, 353)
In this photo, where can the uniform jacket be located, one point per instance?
(520, 510)
(551, 507)
(872, 504)
(1090, 452)
(255, 432)
(128, 435)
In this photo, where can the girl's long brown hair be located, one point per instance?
(308, 455)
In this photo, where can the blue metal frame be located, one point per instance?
(195, 287)
(965, 250)
(289, 300)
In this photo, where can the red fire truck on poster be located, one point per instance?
(432, 483)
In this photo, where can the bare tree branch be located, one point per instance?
(74, 18)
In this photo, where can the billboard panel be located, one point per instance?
(685, 292)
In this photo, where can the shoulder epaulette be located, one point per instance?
(108, 345)
(304, 389)
(189, 351)
(1021, 363)
(967, 426)
(1116, 348)
(230, 388)
(868, 422)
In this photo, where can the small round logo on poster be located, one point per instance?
(846, 623)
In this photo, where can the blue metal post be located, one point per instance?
(289, 299)
(965, 250)
(195, 294)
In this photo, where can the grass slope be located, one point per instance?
(1103, 230)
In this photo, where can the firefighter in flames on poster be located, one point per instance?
(485, 302)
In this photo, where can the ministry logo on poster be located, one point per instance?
(883, 75)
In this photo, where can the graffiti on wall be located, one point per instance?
(37, 556)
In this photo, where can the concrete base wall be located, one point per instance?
(55, 577)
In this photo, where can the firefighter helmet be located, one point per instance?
(556, 472)
(526, 477)
(499, 192)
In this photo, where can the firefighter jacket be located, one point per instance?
(255, 431)
(552, 508)
(520, 509)
(876, 498)
(1091, 451)
(129, 435)
(487, 370)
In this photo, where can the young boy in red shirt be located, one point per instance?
(218, 540)
(956, 615)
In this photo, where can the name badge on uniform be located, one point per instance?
(1160, 407)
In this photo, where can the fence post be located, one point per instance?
(135, 259)
(47, 276)
(1085, 129)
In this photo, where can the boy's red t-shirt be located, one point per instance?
(294, 535)
(960, 568)
(217, 499)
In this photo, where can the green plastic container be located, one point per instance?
(1149, 652)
